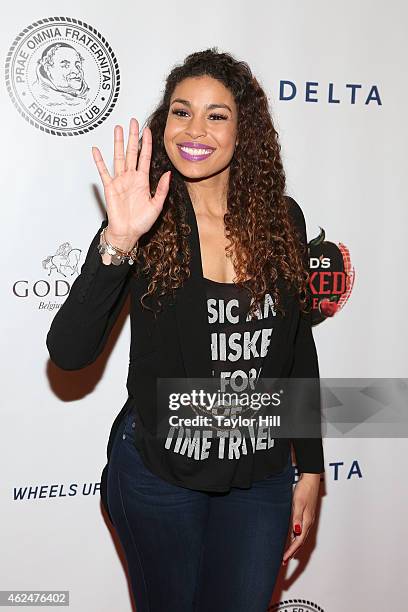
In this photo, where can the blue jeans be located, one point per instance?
(196, 551)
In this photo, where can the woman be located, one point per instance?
(217, 249)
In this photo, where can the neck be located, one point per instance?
(209, 195)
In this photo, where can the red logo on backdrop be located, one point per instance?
(331, 276)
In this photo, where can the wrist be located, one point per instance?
(113, 253)
(125, 243)
(310, 476)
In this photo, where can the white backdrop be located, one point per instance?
(345, 163)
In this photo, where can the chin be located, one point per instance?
(193, 173)
(200, 171)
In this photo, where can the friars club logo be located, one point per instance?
(62, 76)
(295, 605)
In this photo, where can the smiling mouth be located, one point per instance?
(194, 153)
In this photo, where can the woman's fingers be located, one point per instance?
(100, 164)
(146, 152)
(295, 543)
(132, 145)
(133, 159)
(162, 189)
(118, 151)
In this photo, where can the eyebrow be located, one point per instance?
(208, 106)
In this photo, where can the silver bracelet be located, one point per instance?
(118, 256)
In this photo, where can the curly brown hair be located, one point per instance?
(264, 242)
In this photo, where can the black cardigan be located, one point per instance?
(177, 344)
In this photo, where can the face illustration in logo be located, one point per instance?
(60, 76)
(62, 65)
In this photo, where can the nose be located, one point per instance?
(196, 127)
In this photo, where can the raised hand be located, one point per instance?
(130, 208)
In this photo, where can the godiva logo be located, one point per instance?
(62, 268)
(62, 76)
(65, 260)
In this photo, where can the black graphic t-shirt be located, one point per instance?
(238, 342)
(236, 446)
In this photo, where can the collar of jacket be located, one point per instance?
(192, 318)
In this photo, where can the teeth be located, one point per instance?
(196, 151)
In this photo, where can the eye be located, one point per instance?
(178, 110)
(216, 115)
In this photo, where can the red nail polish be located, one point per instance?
(297, 529)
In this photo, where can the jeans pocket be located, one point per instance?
(128, 427)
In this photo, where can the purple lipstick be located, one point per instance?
(194, 151)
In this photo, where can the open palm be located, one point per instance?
(131, 209)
